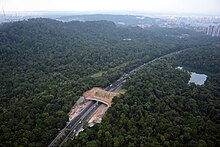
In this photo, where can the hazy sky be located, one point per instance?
(160, 6)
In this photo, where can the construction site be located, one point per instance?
(97, 95)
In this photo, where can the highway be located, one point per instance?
(88, 116)
(117, 87)
(118, 83)
(75, 125)
(78, 121)
(84, 118)
(70, 124)
(74, 120)
(81, 121)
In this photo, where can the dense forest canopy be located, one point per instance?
(124, 20)
(160, 108)
(46, 65)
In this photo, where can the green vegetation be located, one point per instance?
(161, 109)
(122, 91)
(204, 59)
(46, 65)
(111, 70)
(98, 74)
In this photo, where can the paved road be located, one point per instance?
(90, 114)
(118, 83)
(114, 87)
(79, 124)
(117, 87)
(74, 120)
(71, 123)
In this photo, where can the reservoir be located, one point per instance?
(198, 79)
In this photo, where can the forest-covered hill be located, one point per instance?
(160, 108)
(46, 65)
(126, 20)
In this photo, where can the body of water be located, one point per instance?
(198, 79)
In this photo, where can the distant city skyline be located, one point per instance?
(209, 7)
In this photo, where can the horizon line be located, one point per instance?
(119, 12)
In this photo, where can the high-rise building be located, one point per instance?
(218, 31)
(209, 30)
(213, 30)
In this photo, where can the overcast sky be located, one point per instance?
(158, 6)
